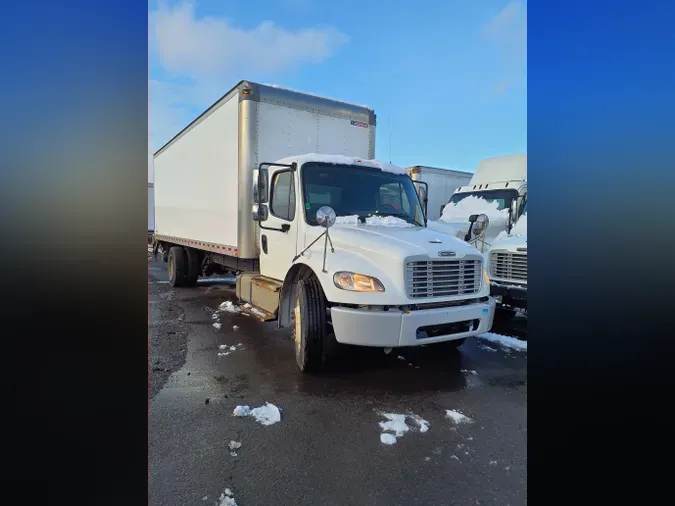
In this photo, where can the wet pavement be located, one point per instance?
(326, 450)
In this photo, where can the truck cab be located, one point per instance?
(343, 242)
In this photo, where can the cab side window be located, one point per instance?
(282, 204)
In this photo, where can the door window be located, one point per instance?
(282, 204)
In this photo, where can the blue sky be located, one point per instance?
(448, 75)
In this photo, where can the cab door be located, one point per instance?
(279, 232)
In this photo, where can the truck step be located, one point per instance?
(261, 293)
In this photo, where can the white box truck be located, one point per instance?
(439, 187)
(330, 244)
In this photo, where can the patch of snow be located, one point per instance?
(469, 372)
(395, 423)
(241, 411)
(387, 351)
(423, 424)
(457, 417)
(233, 348)
(235, 327)
(226, 498)
(233, 454)
(268, 414)
(460, 212)
(222, 346)
(234, 445)
(518, 230)
(224, 354)
(388, 439)
(493, 462)
(215, 315)
(205, 498)
(454, 457)
(508, 341)
(347, 220)
(216, 325)
(400, 357)
(387, 221)
(427, 459)
(229, 307)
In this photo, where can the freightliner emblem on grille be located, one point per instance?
(447, 254)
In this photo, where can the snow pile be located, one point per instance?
(460, 212)
(229, 307)
(234, 445)
(229, 349)
(216, 325)
(507, 341)
(268, 414)
(457, 417)
(227, 498)
(387, 221)
(396, 426)
(518, 230)
(347, 220)
(374, 221)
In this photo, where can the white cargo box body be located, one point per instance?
(151, 207)
(204, 175)
(442, 184)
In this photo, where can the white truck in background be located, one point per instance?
(439, 187)
(151, 209)
(333, 246)
(501, 183)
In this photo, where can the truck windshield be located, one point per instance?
(362, 191)
(502, 197)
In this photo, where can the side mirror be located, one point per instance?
(260, 187)
(260, 212)
(325, 217)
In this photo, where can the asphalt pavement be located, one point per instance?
(326, 450)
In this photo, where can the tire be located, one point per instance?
(177, 266)
(193, 267)
(308, 321)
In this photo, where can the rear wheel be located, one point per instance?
(193, 267)
(176, 265)
(310, 329)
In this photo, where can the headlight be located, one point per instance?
(486, 277)
(357, 282)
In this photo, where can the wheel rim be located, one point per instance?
(298, 325)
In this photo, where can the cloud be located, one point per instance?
(508, 30)
(211, 47)
(200, 58)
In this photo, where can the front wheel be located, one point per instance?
(310, 332)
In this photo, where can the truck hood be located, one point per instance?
(397, 242)
(519, 241)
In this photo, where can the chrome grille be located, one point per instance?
(443, 278)
(508, 265)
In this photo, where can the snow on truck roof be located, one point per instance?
(343, 160)
(500, 169)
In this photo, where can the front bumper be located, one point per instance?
(394, 328)
(509, 295)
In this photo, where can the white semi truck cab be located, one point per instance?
(501, 182)
(333, 245)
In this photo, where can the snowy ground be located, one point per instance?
(375, 429)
